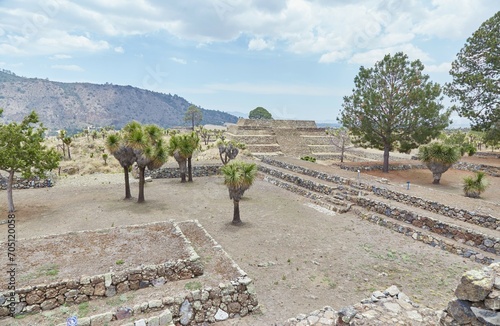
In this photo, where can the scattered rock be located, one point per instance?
(185, 312)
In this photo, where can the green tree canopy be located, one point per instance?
(260, 113)
(476, 76)
(193, 115)
(394, 106)
(22, 151)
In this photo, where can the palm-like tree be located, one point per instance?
(238, 177)
(125, 155)
(193, 142)
(67, 141)
(177, 148)
(148, 147)
(61, 135)
(474, 186)
(439, 158)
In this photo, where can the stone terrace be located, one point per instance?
(470, 234)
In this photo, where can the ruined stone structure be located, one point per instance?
(293, 138)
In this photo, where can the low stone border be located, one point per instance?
(487, 154)
(20, 183)
(33, 299)
(235, 298)
(418, 235)
(487, 221)
(470, 237)
(457, 233)
(228, 300)
(373, 167)
(472, 217)
(490, 170)
(198, 171)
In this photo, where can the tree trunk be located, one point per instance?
(190, 170)
(69, 153)
(182, 165)
(192, 121)
(128, 195)
(10, 200)
(141, 184)
(385, 168)
(437, 177)
(64, 150)
(342, 150)
(236, 213)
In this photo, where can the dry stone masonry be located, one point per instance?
(417, 226)
(389, 307)
(198, 171)
(477, 298)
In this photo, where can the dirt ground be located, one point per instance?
(300, 257)
(451, 182)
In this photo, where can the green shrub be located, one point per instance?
(474, 186)
(308, 158)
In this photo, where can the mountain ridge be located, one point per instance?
(77, 105)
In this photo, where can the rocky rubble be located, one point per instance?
(477, 298)
(390, 307)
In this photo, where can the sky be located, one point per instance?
(296, 58)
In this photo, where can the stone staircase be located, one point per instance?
(259, 141)
(465, 233)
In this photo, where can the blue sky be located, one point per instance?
(296, 58)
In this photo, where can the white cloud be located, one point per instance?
(443, 67)
(67, 67)
(258, 44)
(334, 56)
(369, 58)
(181, 61)
(119, 49)
(60, 56)
(333, 30)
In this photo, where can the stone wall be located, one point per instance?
(198, 171)
(490, 170)
(279, 124)
(487, 221)
(207, 305)
(487, 154)
(232, 298)
(477, 298)
(412, 224)
(20, 183)
(32, 299)
(457, 233)
(372, 167)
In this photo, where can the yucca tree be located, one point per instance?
(238, 177)
(439, 158)
(177, 148)
(148, 147)
(67, 141)
(61, 135)
(125, 155)
(474, 186)
(192, 145)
